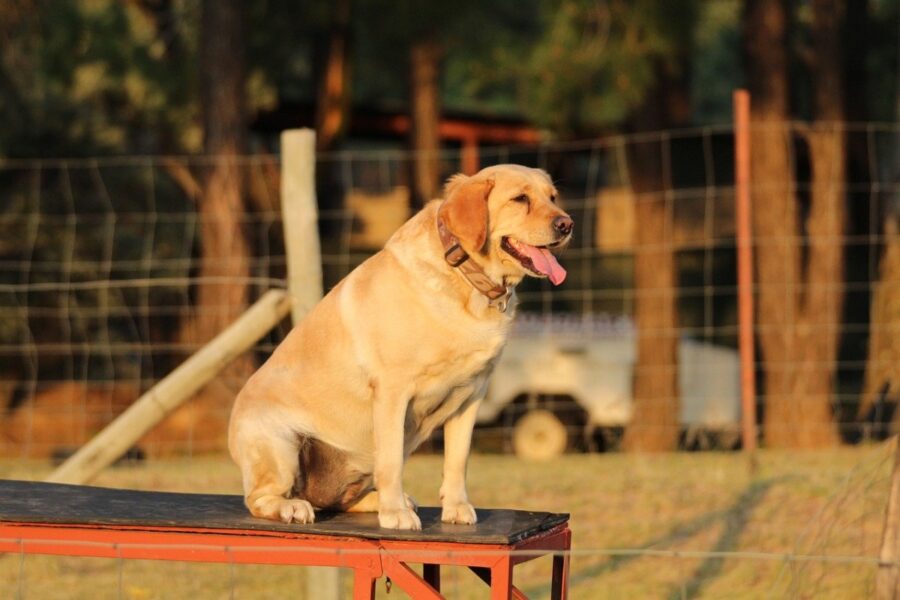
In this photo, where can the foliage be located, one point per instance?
(596, 61)
(716, 69)
(82, 77)
(96, 76)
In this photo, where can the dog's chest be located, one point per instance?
(462, 357)
(463, 363)
(445, 389)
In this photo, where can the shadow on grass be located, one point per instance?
(735, 518)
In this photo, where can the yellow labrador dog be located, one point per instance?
(404, 344)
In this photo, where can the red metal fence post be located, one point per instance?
(744, 242)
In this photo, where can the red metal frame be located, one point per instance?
(369, 559)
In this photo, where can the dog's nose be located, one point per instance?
(563, 225)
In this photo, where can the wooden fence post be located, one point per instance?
(744, 243)
(301, 219)
(887, 581)
(304, 268)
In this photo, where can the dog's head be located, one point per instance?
(507, 218)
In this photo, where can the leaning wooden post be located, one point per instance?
(887, 581)
(172, 391)
(744, 242)
(300, 216)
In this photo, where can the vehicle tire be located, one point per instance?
(539, 435)
(607, 439)
(728, 439)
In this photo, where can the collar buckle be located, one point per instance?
(455, 255)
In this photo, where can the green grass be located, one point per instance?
(817, 503)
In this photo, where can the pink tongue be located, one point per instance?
(545, 263)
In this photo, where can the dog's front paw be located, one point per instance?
(399, 518)
(462, 513)
(277, 508)
(296, 510)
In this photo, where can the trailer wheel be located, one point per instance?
(539, 435)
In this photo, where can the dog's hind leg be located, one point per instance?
(269, 470)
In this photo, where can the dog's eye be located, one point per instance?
(553, 198)
(523, 198)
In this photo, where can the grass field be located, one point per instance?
(803, 504)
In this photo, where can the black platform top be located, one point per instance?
(33, 502)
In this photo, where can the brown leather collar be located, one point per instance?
(498, 295)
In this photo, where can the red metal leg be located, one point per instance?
(484, 574)
(560, 586)
(363, 585)
(408, 580)
(432, 574)
(501, 579)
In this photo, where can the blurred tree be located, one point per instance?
(715, 61)
(428, 31)
(85, 78)
(333, 97)
(451, 51)
(655, 424)
(822, 305)
(425, 109)
(88, 78)
(800, 304)
(882, 377)
(482, 67)
(224, 256)
(869, 36)
(596, 61)
(877, 34)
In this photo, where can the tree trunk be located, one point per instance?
(334, 97)
(855, 76)
(654, 425)
(883, 361)
(222, 292)
(775, 219)
(823, 300)
(222, 289)
(797, 313)
(818, 327)
(425, 106)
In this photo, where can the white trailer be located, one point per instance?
(592, 362)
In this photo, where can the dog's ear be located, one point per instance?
(465, 210)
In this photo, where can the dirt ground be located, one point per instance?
(739, 532)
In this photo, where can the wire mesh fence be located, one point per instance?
(99, 285)
(103, 263)
(104, 266)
